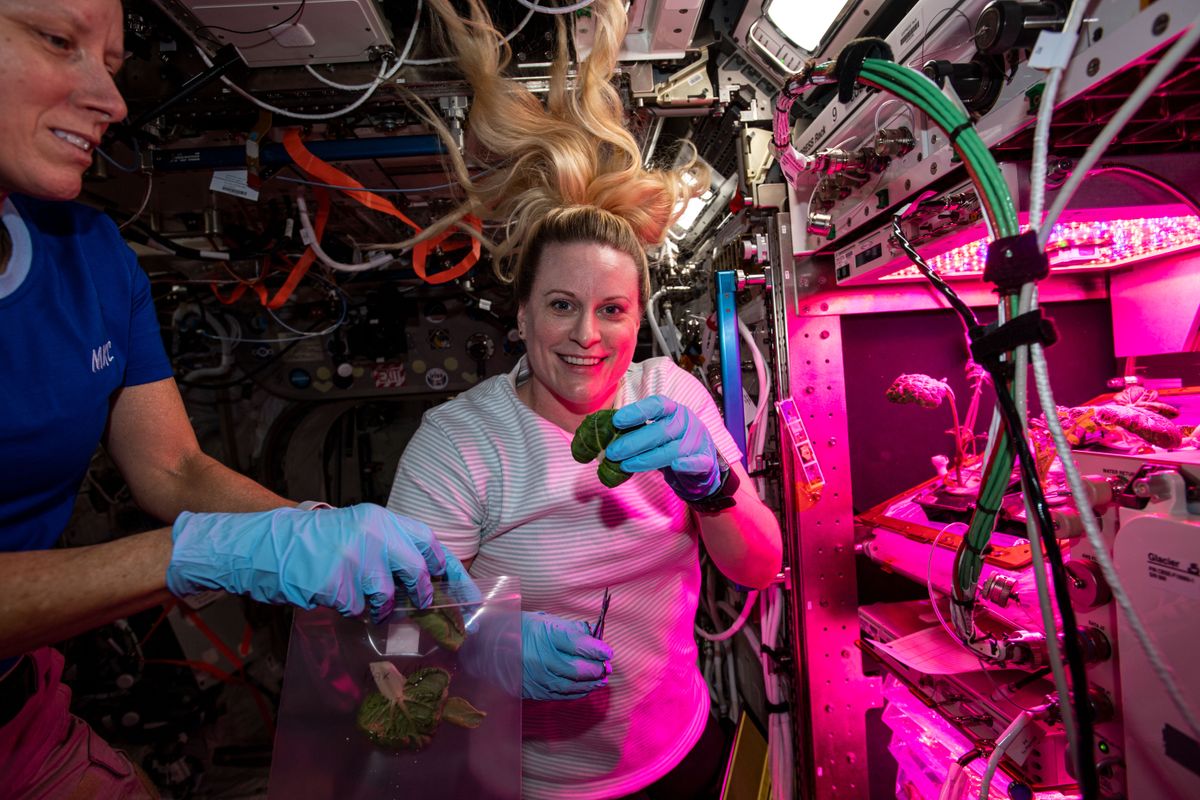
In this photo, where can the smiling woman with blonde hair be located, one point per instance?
(618, 710)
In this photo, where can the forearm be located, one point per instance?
(50, 595)
(201, 483)
(744, 540)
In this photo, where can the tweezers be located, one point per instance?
(598, 628)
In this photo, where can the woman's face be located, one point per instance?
(57, 61)
(580, 325)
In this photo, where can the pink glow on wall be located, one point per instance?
(1079, 245)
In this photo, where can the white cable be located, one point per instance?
(950, 786)
(780, 730)
(1041, 135)
(759, 369)
(1045, 602)
(311, 240)
(228, 338)
(1145, 88)
(652, 318)
(757, 440)
(412, 36)
(556, 9)
(142, 208)
(375, 84)
(1161, 669)
(1002, 744)
(739, 619)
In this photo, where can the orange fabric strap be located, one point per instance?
(325, 173)
(298, 269)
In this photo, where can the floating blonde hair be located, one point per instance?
(572, 153)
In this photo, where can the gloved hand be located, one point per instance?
(675, 442)
(343, 558)
(562, 661)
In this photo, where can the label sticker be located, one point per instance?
(437, 378)
(234, 182)
(403, 639)
(388, 375)
(1174, 574)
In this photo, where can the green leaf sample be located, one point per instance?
(595, 433)
(445, 624)
(405, 712)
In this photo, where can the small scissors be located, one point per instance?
(598, 628)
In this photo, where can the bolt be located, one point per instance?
(809, 390)
(824, 334)
(832, 442)
(1161, 22)
(1093, 67)
(933, 169)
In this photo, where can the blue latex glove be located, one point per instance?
(675, 441)
(342, 558)
(562, 661)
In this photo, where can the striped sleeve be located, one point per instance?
(433, 485)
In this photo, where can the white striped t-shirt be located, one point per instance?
(496, 482)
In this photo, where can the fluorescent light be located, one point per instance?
(692, 210)
(805, 23)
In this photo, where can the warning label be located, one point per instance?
(1174, 574)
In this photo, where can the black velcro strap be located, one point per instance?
(957, 132)
(1014, 261)
(850, 62)
(777, 708)
(989, 343)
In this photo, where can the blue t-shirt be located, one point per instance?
(76, 324)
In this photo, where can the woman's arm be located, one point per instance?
(152, 443)
(50, 595)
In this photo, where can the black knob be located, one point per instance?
(977, 82)
(1005, 25)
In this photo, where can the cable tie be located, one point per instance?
(958, 131)
(981, 506)
(849, 63)
(779, 659)
(989, 343)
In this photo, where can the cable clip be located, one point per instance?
(989, 343)
(777, 708)
(850, 63)
(781, 661)
(1014, 261)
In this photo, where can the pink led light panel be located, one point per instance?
(1079, 246)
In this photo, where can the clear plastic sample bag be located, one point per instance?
(425, 705)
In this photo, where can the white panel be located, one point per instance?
(339, 30)
(1158, 558)
(1156, 307)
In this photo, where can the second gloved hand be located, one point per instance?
(673, 439)
(562, 660)
(344, 558)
